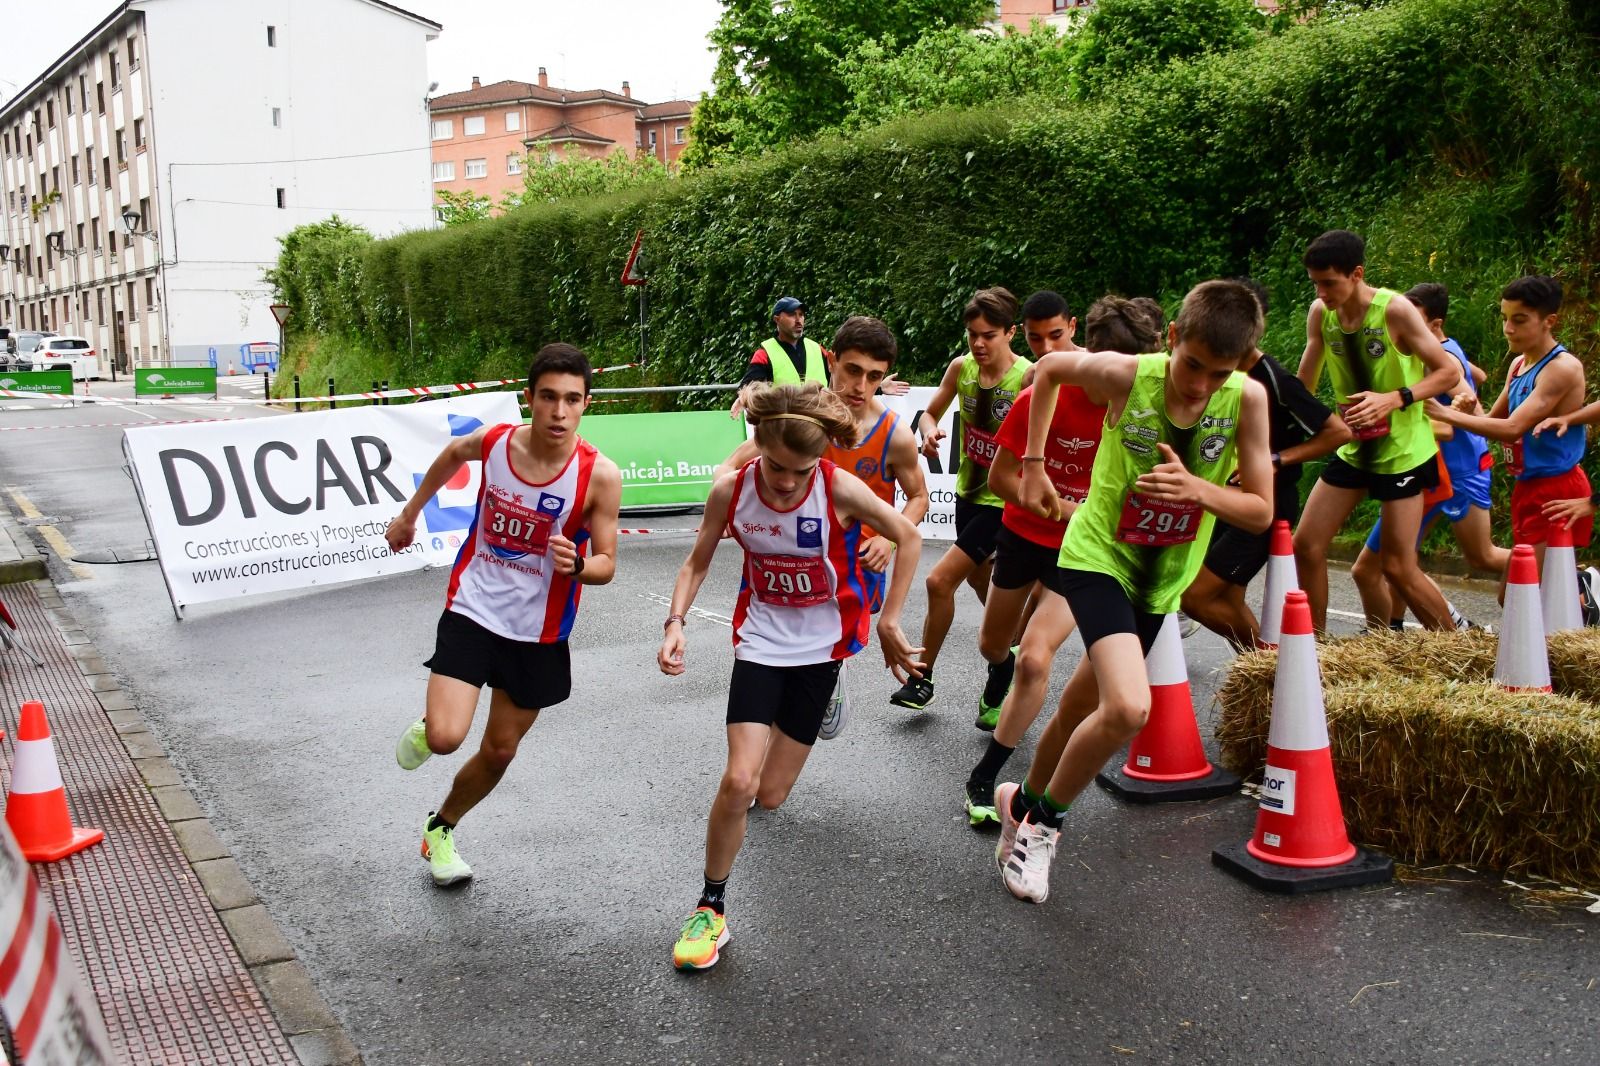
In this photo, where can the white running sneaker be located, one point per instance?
(1187, 627)
(412, 750)
(1003, 796)
(1027, 872)
(833, 718)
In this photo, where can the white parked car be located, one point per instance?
(68, 353)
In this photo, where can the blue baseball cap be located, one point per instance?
(785, 305)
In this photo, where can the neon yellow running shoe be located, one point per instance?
(439, 848)
(698, 945)
(412, 750)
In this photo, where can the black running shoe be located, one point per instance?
(1588, 586)
(915, 694)
(980, 803)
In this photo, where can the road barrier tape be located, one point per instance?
(647, 532)
(110, 425)
(348, 397)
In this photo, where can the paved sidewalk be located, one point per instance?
(186, 964)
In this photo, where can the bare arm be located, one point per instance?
(1583, 416)
(605, 500)
(1333, 435)
(1104, 374)
(1311, 359)
(403, 529)
(928, 424)
(876, 553)
(1411, 335)
(693, 574)
(1562, 379)
(853, 500)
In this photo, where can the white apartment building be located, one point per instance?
(146, 176)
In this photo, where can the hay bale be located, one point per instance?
(1435, 763)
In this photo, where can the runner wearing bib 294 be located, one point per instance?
(1176, 427)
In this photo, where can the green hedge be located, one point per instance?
(1457, 134)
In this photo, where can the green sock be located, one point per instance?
(1030, 795)
(1050, 801)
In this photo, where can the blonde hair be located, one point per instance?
(802, 418)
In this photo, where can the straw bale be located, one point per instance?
(1435, 763)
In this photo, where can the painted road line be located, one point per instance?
(694, 612)
(51, 534)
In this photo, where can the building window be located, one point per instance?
(100, 94)
(477, 168)
(652, 140)
(76, 174)
(122, 148)
(88, 159)
(277, 117)
(105, 170)
(111, 240)
(472, 126)
(50, 113)
(55, 180)
(84, 298)
(272, 36)
(80, 235)
(283, 199)
(133, 309)
(83, 92)
(94, 234)
(443, 129)
(67, 96)
(677, 134)
(514, 163)
(513, 121)
(100, 304)
(116, 72)
(149, 292)
(138, 134)
(7, 136)
(133, 54)
(445, 171)
(145, 221)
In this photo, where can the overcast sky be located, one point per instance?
(657, 45)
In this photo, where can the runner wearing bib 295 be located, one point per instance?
(1384, 362)
(801, 612)
(986, 382)
(1177, 425)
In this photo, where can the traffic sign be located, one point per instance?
(633, 273)
(280, 312)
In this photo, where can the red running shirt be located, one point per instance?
(1068, 456)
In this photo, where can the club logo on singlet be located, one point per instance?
(866, 468)
(1375, 348)
(1216, 422)
(1000, 408)
(1074, 445)
(1138, 447)
(808, 533)
(1212, 447)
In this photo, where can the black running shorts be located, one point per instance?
(1413, 482)
(1236, 556)
(1102, 608)
(531, 674)
(1019, 562)
(977, 524)
(793, 698)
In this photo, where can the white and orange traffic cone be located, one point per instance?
(1166, 762)
(1281, 578)
(1522, 663)
(1300, 844)
(1558, 585)
(36, 809)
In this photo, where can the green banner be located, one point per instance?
(176, 381)
(49, 382)
(665, 458)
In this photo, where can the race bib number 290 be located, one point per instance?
(1155, 523)
(790, 580)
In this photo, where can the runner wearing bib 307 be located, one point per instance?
(986, 382)
(1176, 427)
(800, 613)
(1384, 362)
(546, 525)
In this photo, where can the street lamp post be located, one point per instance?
(131, 221)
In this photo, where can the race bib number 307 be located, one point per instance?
(790, 580)
(1157, 523)
(513, 527)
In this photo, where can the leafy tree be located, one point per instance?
(549, 176)
(777, 76)
(459, 208)
(1123, 36)
(953, 68)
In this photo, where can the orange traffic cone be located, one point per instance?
(1281, 577)
(1166, 762)
(36, 809)
(1558, 585)
(1522, 663)
(1300, 843)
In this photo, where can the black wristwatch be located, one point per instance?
(577, 566)
(1406, 399)
(1277, 461)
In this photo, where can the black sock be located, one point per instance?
(999, 680)
(1398, 624)
(993, 761)
(713, 895)
(434, 822)
(1044, 813)
(1019, 805)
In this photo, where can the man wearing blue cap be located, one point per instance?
(788, 358)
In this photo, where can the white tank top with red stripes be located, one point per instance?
(504, 578)
(801, 600)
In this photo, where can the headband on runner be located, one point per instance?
(797, 418)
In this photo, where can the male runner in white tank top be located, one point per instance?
(546, 525)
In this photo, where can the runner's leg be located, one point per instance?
(1402, 520)
(478, 776)
(1218, 604)
(747, 747)
(1051, 626)
(1117, 662)
(1326, 510)
(946, 577)
(451, 704)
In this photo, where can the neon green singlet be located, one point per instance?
(1153, 548)
(1368, 361)
(982, 410)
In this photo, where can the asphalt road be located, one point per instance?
(868, 921)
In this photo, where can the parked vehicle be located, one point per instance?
(68, 353)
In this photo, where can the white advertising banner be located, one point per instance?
(267, 504)
(940, 473)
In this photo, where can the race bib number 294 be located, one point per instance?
(1156, 523)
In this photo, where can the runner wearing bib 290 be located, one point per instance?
(801, 612)
(1176, 427)
(986, 382)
